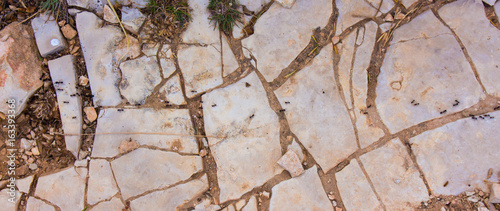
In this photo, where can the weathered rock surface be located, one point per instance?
(47, 34)
(155, 169)
(139, 78)
(132, 18)
(19, 75)
(459, 153)
(98, 45)
(63, 74)
(101, 184)
(114, 204)
(247, 156)
(34, 204)
(200, 30)
(275, 44)
(172, 92)
(301, 193)
(314, 100)
(171, 198)
(65, 189)
(147, 127)
(291, 162)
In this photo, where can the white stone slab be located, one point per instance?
(47, 34)
(101, 184)
(247, 157)
(64, 189)
(23, 185)
(355, 189)
(201, 67)
(34, 204)
(275, 43)
(461, 153)
(395, 178)
(132, 18)
(172, 92)
(139, 78)
(143, 170)
(98, 46)
(353, 11)
(171, 198)
(147, 127)
(316, 113)
(300, 193)
(467, 19)
(114, 204)
(200, 30)
(64, 78)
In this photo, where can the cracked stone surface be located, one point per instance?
(304, 191)
(309, 105)
(158, 169)
(47, 34)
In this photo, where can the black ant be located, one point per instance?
(74, 117)
(120, 109)
(287, 102)
(456, 103)
(59, 82)
(214, 105)
(65, 102)
(60, 89)
(72, 95)
(497, 108)
(247, 84)
(443, 112)
(282, 110)
(252, 116)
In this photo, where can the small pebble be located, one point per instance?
(335, 40)
(33, 166)
(35, 151)
(83, 81)
(91, 113)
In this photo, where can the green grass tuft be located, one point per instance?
(178, 8)
(224, 14)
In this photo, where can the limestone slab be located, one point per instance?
(64, 189)
(275, 44)
(146, 126)
(229, 61)
(132, 18)
(291, 162)
(171, 198)
(9, 203)
(247, 156)
(101, 184)
(355, 189)
(251, 205)
(172, 91)
(200, 30)
(139, 78)
(34, 204)
(143, 170)
(201, 67)
(351, 12)
(364, 39)
(300, 193)
(63, 74)
(114, 204)
(460, 153)
(428, 88)
(467, 18)
(98, 46)
(19, 75)
(394, 176)
(47, 34)
(316, 113)
(23, 185)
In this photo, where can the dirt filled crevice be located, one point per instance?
(491, 15)
(413, 158)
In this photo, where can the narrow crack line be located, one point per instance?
(57, 208)
(329, 181)
(23, 201)
(221, 56)
(91, 206)
(189, 204)
(484, 106)
(362, 167)
(418, 38)
(158, 58)
(350, 111)
(413, 158)
(464, 50)
(125, 203)
(195, 176)
(491, 15)
(145, 146)
(86, 190)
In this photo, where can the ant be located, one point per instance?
(282, 110)
(443, 112)
(456, 103)
(59, 82)
(252, 116)
(287, 102)
(65, 102)
(120, 109)
(214, 105)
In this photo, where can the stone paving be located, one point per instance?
(327, 105)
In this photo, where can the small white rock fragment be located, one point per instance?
(109, 15)
(286, 3)
(27, 144)
(495, 193)
(335, 40)
(399, 16)
(91, 113)
(389, 18)
(385, 26)
(35, 151)
(68, 31)
(33, 166)
(132, 18)
(47, 34)
(291, 162)
(490, 2)
(83, 81)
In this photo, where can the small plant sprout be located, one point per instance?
(224, 14)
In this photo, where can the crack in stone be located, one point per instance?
(464, 50)
(57, 208)
(362, 167)
(413, 158)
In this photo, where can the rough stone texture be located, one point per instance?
(467, 18)
(291, 162)
(251, 205)
(355, 189)
(101, 185)
(98, 45)
(132, 18)
(109, 15)
(365, 39)
(34, 204)
(306, 192)
(19, 75)
(167, 66)
(114, 204)
(314, 100)
(63, 74)
(171, 198)
(139, 78)
(460, 153)
(495, 193)
(200, 74)
(350, 12)
(5, 197)
(275, 44)
(176, 123)
(200, 30)
(156, 169)
(254, 5)
(47, 34)
(68, 196)
(172, 92)
(395, 177)
(230, 63)
(490, 2)
(286, 3)
(247, 156)
(23, 185)
(435, 84)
